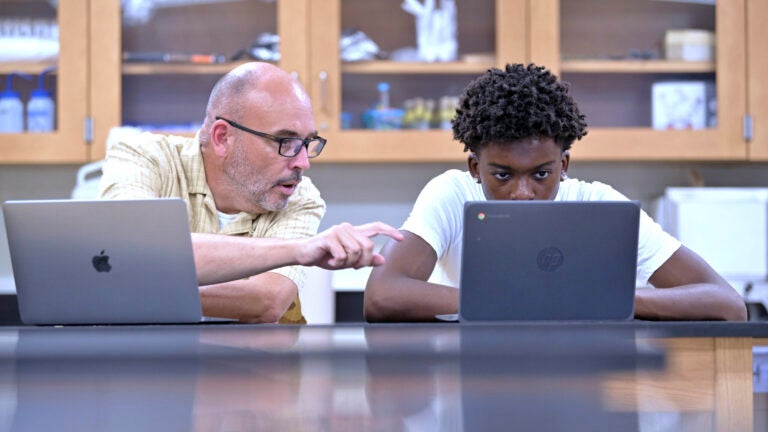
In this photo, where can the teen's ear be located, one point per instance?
(472, 164)
(565, 160)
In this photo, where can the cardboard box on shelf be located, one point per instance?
(689, 45)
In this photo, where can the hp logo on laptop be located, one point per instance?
(549, 259)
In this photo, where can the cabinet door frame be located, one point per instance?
(106, 75)
(757, 60)
(67, 143)
(294, 22)
(724, 142)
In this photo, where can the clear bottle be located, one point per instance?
(41, 111)
(383, 89)
(11, 108)
(447, 111)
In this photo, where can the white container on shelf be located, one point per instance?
(11, 109)
(683, 105)
(41, 111)
(11, 113)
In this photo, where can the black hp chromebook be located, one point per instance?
(549, 260)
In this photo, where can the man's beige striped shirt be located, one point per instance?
(159, 166)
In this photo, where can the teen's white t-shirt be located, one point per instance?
(438, 218)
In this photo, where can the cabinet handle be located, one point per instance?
(323, 91)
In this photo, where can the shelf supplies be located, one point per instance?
(355, 45)
(11, 108)
(266, 47)
(41, 111)
(689, 45)
(683, 105)
(418, 113)
(435, 29)
(421, 114)
(28, 39)
(383, 117)
(447, 110)
(140, 12)
(172, 57)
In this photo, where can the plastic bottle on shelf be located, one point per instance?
(383, 89)
(384, 116)
(448, 106)
(11, 108)
(41, 110)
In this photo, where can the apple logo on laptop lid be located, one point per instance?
(101, 262)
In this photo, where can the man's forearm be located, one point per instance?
(259, 299)
(220, 258)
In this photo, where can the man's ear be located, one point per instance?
(472, 164)
(220, 138)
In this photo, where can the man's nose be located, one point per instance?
(301, 160)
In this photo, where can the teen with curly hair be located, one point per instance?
(518, 125)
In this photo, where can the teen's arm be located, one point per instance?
(399, 291)
(689, 289)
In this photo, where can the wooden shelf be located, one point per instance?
(179, 68)
(646, 144)
(391, 67)
(39, 148)
(636, 66)
(408, 146)
(32, 68)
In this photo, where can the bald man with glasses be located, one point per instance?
(253, 214)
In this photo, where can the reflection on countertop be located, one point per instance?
(444, 377)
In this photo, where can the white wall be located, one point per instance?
(359, 193)
(366, 192)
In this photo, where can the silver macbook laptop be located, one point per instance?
(102, 261)
(549, 260)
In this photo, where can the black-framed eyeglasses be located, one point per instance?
(287, 146)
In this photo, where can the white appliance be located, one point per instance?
(728, 227)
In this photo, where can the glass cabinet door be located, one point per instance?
(657, 79)
(385, 75)
(43, 68)
(170, 54)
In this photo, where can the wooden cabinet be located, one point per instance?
(612, 53)
(589, 43)
(68, 142)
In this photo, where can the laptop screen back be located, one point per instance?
(549, 260)
(102, 261)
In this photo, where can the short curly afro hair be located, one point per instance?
(518, 102)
